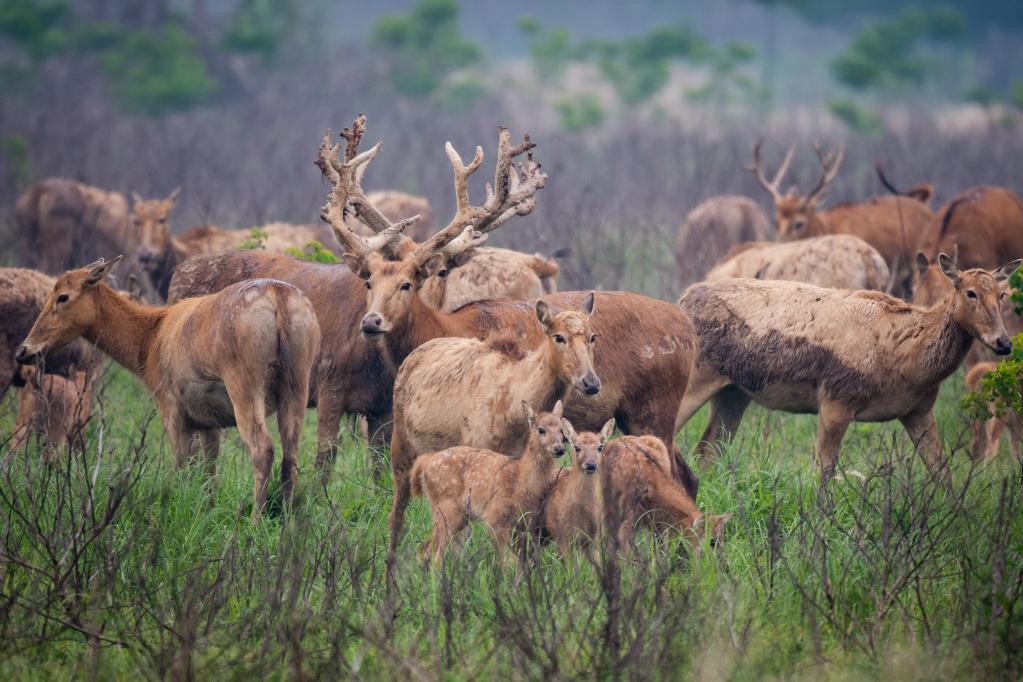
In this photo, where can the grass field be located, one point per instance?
(119, 566)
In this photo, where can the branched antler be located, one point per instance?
(511, 194)
(829, 169)
(757, 169)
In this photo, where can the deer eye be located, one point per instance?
(600, 448)
(542, 431)
(62, 298)
(593, 338)
(970, 293)
(1002, 296)
(369, 285)
(558, 338)
(407, 286)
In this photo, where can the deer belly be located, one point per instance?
(799, 398)
(207, 405)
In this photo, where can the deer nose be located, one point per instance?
(590, 467)
(145, 256)
(22, 357)
(372, 323)
(1003, 346)
(591, 383)
(559, 450)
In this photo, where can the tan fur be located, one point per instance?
(639, 492)
(987, 434)
(834, 261)
(845, 355)
(574, 510)
(466, 484)
(395, 206)
(53, 409)
(228, 359)
(487, 274)
(714, 227)
(985, 225)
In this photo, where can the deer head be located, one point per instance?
(68, 312)
(546, 428)
(150, 222)
(795, 216)
(588, 448)
(976, 302)
(571, 341)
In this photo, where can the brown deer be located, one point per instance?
(464, 484)
(228, 359)
(574, 510)
(53, 409)
(894, 225)
(839, 261)
(987, 434)
(844, 355)
(714, 227)
(23, 293)
(639, 492)
(985, 224)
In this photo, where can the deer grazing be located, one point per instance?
(712, 229)
(228, 359)
(464, 483)
(639, 492)
(53, 409)
(23, 293)
(894, 225)
(844, 355)
(985, 224)
(839, 261)
(574, 510)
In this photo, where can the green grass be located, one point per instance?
(894, 578)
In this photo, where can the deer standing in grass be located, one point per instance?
(894, 225)
(228, 359)
(464, 483)
(53, 409)
(574, 510)
(844, 355)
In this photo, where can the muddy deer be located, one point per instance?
(839, 261)
(574, 510)
(984, 223)
(639, 492)
(844, 355)
(714, 227)
(506, 493)
(894, 225)
(23, 293)
(52, 409)
(228, 359)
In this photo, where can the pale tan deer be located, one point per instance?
(464, 484)
(712, 229)
(228, 359)
(574, 510)
(894, 225)
(53, 410)
(844, 355)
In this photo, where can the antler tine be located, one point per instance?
(784, 167)
(393, 236)
(469, 239)
(758, 169)
(519, 185)
(353, 137)
(829, 165)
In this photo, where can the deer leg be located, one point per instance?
(378, 436)
(726, 410)
(209, 444)
(833, 419)
(992, 431)
(980, 447)
(180, 437)
(923, 432)
(250, 416)
(448, 521)
(290, 417)
(330, 409)
(401, 464)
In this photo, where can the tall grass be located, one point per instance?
(114, 564)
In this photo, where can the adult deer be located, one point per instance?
(228, 359)
(893, 225)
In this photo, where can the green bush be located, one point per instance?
(257, 239)
(855, 116)
(17, 159)
(581, 113)
(314, 252)
(35, 25)
(260, 27)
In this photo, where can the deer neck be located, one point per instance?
(124, 330)
(534, 469)
(424, 324)
(946, 343)
(543, 382)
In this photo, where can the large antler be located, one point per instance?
(345, 178)
(758, 170)
(829, 169)
(511, 194)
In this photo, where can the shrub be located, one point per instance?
(314, 252)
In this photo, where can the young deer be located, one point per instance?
(573, 513)
(465, 484)
(987, 434)
(640, 492)
(228, 359)
(52, 408)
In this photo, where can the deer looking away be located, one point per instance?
(53, 409)
(464, 483)
(894, 225)
(228, 359)
(844, 355)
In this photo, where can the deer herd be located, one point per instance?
(474, 372)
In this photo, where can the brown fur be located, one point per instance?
(987, 434)
(844, 355)
(639, 492)
(22, 296)
(53, 409)
(228, 359)
(984, 223)
(712, 229)
(466, 484)
(835, 261)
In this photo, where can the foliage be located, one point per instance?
(888, 52)
(580, 113)
(425, 46)
(37, 26)
(1001, 390)
(17, 158)
(855, 116)
(260, 27)
(314, 252)
(462, 95)
(551, 51)
(726, 82)
(257, 239)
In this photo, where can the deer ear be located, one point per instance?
(527, 409)
(948, 267)
(99, 270)
(607, 431)
(567, 430)
(1005, 272)
(558, 409)
(431, 266)
(543, 313)
(589, 302)
(922, 263)
(173, 195)
(357, 264)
